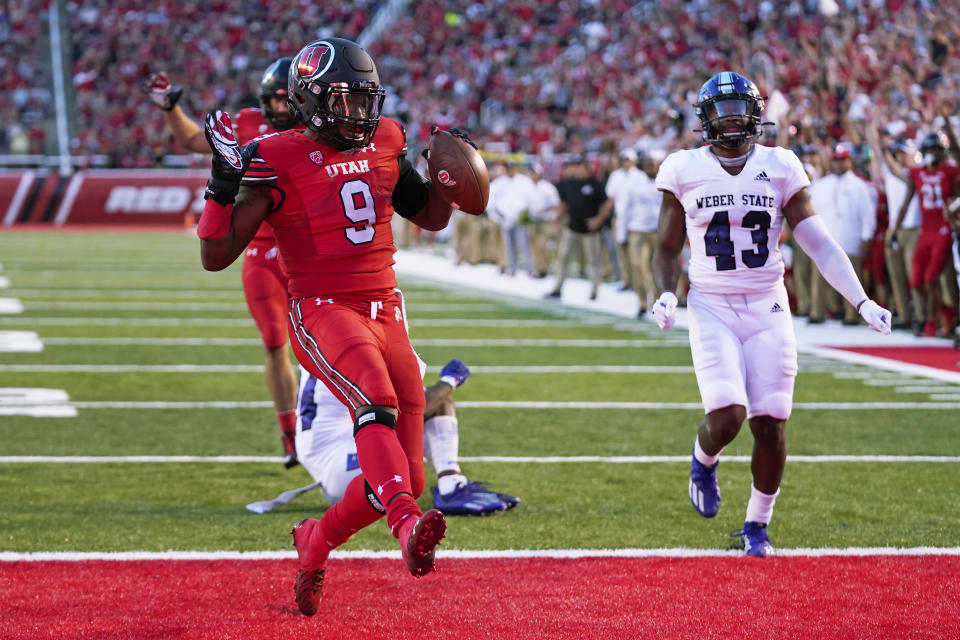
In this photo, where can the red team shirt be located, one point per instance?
(333, 211)
(249, 125)
(935, 187)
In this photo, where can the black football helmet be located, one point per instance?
(334, 89)
(937, 145)
(274, 84)
(725, 101)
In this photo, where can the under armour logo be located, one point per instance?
(397, 479)
(776, 307)
(762, 177)
(397, 314)
(320, 301)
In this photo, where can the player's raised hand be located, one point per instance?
(161, 92)
(230, 161)
(664, 309)
(454, 373)
(876, 316)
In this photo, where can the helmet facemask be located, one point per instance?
(730, 121)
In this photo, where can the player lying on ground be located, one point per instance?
(326, 449)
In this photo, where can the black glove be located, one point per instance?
(230, 161)
(163, 94)
(460, 133)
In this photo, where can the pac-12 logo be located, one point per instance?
(444, 177)
(316, 158)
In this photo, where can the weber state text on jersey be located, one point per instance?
(733, 222)
(332, 210)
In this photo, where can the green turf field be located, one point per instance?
(141, 303)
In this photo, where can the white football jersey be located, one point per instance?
(733, 222)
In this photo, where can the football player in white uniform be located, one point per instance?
(730, 199)
(326, 448)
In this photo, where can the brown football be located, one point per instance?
(459, 173)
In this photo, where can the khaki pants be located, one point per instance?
(908, 242)
(803, 273)
(640, 245)
(539, 233)
(590, 243)
(466, 237)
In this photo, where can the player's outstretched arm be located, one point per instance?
(186, 132)
(812, 236)
(671, 234)
(231, 215)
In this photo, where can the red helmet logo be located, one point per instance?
(309, 61)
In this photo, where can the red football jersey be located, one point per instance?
(248, 125)
(935, 187)
(332, 221)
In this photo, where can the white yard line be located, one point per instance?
(495, 459)
(98, 321)
(494, 404)
(461, 554)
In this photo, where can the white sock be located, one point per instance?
(760, 506)
(441, 443)
(448, 484)
(703, 458)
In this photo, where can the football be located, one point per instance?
(459, 173)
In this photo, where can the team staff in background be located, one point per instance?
(326, 449)
(936, 183)
(730, 198)
(330, 191)
(264, 284)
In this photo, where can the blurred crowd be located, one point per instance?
(537, 81)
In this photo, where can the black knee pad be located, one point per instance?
(372, 498)
(376, 415)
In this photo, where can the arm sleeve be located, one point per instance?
(812, 236)
(411, 193)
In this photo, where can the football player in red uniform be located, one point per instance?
(937, 183)
(330, 191)
(264, 284)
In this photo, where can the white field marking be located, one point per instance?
(521, 342)
(462, 554)
(479, 322)
(139, 306)
(10, 305)
(94, 321)
(31, 395)
(495, 404)
(927, 390)
(40, 411)
(131, 368)
(904, 368)
(889, 377)
(893, 382)
(244, 368)
(685, 459)
(945, 397)
(39, 292)
(836, 406)
(20, 341)
(4, 282)
(157, 342)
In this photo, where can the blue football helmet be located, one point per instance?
(729, 107)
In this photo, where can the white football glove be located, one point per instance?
(876, 316)
(664, 309)
(163, 94)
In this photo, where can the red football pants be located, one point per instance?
(265, 289)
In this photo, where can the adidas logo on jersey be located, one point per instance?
(761, 177)
(776, 307)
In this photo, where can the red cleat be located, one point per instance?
(312, 552)
(419, 539)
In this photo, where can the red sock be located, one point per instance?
(387, 470)
(352, 513)
(288, 426)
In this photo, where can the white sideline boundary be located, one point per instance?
(499, 459)
(464, 554)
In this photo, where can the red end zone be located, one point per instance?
(939, 357)
(709, 597)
